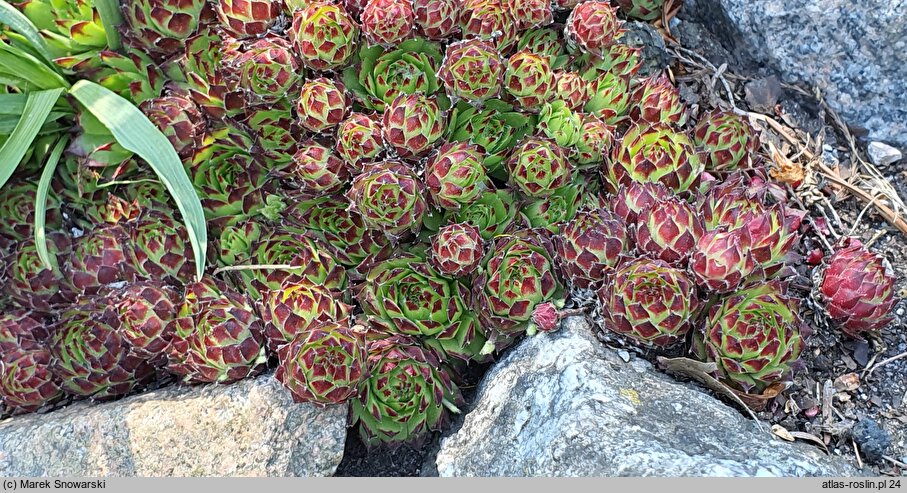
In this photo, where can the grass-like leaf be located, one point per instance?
(41, 204)
(135, 132)
(20, 24)
(111, 18)
(16, 62)
(36, 110)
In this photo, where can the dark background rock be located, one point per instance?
(854, 52)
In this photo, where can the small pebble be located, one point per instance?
(872, 440)
(883, 154)
(624, 355)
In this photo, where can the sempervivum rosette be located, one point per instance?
(572, 89)
(407, 395)
(538, 167)
(29, 283)
(722, 260)
(519, 274)
(27, 381)
(322, 104)
(645, 10)
(437, 19)
(728, 139)
(668, 230)
(387, 22)
(593, 26)
(324, 365)
(531, 13)
(493, 213)
(649, 301)
(264, 70)
(146, 312)
(412, 124)
(90, 354)
(179, 119)
(656, 100)
(472, 70)
(324, 35)
(218, 336)
(389, 198)
(382, 75)
(753, 336)
(631, 199)
(455, 175)
(528, 79)
(296, 306)
(491, 20)
(856, 287)
(589, 246)
(315, 171)
(456, 250)
(656, 153)
(246, 19)
(359, 140)
(161, 26)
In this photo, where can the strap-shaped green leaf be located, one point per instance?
(17, 62)
(135, 132)
(37, 108)
(111, 18)
(20, 24)
(41, 204)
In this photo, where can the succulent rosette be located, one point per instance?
(412, 124)
(589, 246)
(29, 283)
(322, 104)
(359, 140)
(631, 199)
(146, 312)
(621, 60)
(296, 306)
(204, 79)
(100, 258)
(383, 75)
(71, 29)
(17, 211)
(27, 380)
(528, 79)
(548, 212)
(531, 13)
(456, 250)
(324, 35)
(387, 22)
(324, 365)
(730, 142)
(455, 176)
(437, 19)
(593, 27)
(493, 213)
(595, 141)
(309, 260)
(389, 197)
(572, 89)
(649, 301)
(644, 10)
(495, 128)
(407, 394)
(856, 288)
(275, 130)
(517, 275)
(227, 178)
(316, 171)
(21, 330)
(609, 98)
(159, 247)
(91, 356)
(161, 26)
(218, 337)
(669, 230)
(179, 119)
(411, 297)
(247, 18)
(538, 167)
(234, 245)
(753, 336)
(490, 20)
(264, 70)
(656, 100)
(351, 243)
(722, 260)
(558, 122)
(472, 70)
(654, 154)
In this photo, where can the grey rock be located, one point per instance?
(563, 404)
(653, 56)
(883, 154)
(854, 52)
(871, 438)
(250, 428)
